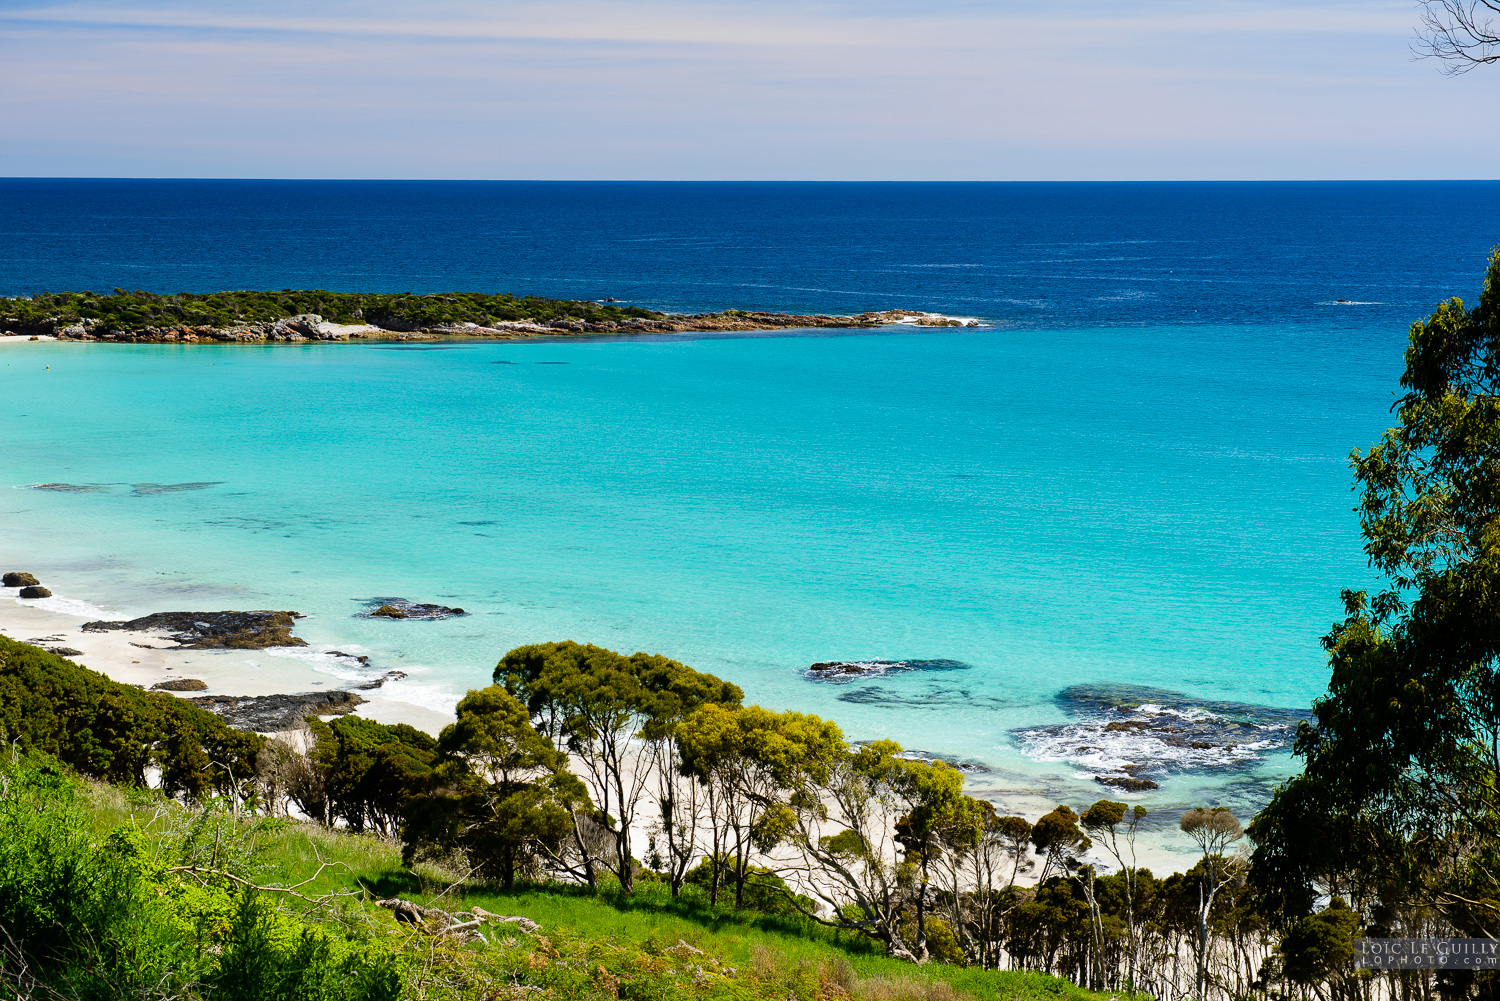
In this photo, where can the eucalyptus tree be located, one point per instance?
(843, 814)
(1114, 824)
(1213, 831)
(607, 710)
(502, 793)
(1399, 797)
(753, 762)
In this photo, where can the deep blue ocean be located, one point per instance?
(1135, 473)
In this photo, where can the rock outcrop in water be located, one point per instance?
(843, 671)
(400, 608)
(18, 578)
(214, 630)
(1131, 736)
(34, 591)
(273, 713)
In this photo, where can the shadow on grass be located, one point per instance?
(691, 905)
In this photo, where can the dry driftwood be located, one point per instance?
(461, 924)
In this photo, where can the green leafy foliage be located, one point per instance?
(132, 916)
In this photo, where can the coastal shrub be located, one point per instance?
(126, 915)
(370, 771)
(111, 731)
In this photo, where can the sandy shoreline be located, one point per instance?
(145, 659)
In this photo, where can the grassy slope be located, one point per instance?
(599, 946)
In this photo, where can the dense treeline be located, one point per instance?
(123, 310)
(117, 732)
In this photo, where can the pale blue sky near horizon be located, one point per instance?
(720, 89)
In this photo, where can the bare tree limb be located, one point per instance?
(1461, 34)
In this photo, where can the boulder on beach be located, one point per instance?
(17, 578)
(214, 630)
(180, 685)
(35, 591)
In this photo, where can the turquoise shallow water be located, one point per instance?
(1165, 506)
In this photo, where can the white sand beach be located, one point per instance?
(146, 659)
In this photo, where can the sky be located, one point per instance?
(718, 89)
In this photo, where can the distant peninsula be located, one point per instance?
(318, 315)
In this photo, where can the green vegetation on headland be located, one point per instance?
(780, 861)
(296, 315)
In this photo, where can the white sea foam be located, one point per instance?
(431, 697)
(334, 661)
(63, 606)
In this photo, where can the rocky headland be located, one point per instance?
(316, 315)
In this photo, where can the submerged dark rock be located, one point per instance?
(35, 591)
(181, 685)
(172, 488)
(71, 488)
(17, 578)
(400, 608)
(214, 630)
(272, 713)
(843, 671)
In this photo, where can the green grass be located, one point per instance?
(591, 946)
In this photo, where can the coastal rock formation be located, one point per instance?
(64, 651)
(1131, 736)
(400, 608)
(181, 685)
(273, 713)
(1127, 782)
(374, 683)
(842, 671)
(35, 591)
(17, 578)
(214, 630)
